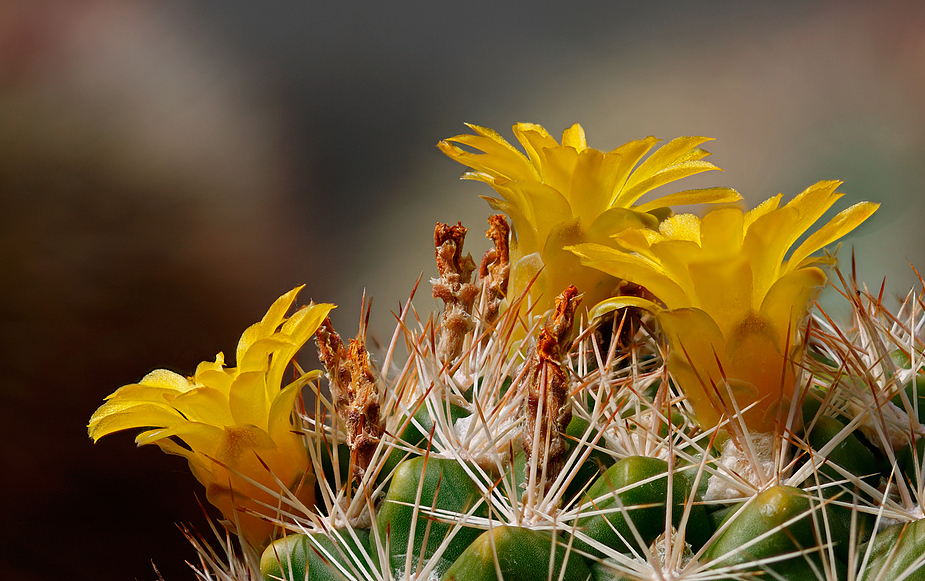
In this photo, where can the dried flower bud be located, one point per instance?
(547, 408)
(454, 288)
(355, 392)
(495, 269)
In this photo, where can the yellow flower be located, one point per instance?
(731, 301)
(233, 425)
(559, 195)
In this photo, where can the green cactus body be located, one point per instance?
(317, 557)
(605, 570)
(596, 463)
(414, 436)
(583, 473)
(812, 567)
(812, 408)
(518, 554)
(777, 522)
(444, 485)
(719, 516)
(640, 486)
(854, 457)
(334, 475)
(850, 454)
(898, 553)
(912, 457)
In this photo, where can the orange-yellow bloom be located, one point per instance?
(564, 194)
(233, 425)
(731, 301)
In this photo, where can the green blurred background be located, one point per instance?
(168, 169)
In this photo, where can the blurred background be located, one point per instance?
(168, 169)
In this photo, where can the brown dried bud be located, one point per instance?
(454, 288)
(547, 408)
(495, 269)
(563, 317)
(355, 392)
(333, 355)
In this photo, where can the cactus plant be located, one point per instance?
(698, 419)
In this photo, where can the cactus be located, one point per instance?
(670, 430)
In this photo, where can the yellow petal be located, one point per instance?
(843, 223)
(790, 297)
(595, 178)
(607, 306)
(755, 351)
(303, 323)
(561, 166)
(200, 465)
(761, 209)
(766, 243)
(218, 379)
(202, 446)
(681, 227)
(217, 365)
(665, 176)
(676, 157)
(535, 139)
(299, 329)
(574, 137)
(564, 268)
(638, 240)
(616, 220)
(676, 258)
(525, 270)
(814, 201)
(279, 421)
(498, 157)
(633, 268)
(202, 439)
(240, 447)
(701, 196)
(205, 404)
(268, 325)
(697, 351)
(770, 236)
(257, 352)
(629, 155)
(677, 150)
(115, 417)
(722, 288)
(590, 184)
(248, 399)
(722, 233)
(141, 393)
(167, 380)
(543, 206)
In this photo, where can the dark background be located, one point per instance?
(168, 169)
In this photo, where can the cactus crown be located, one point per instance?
(650, 441)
